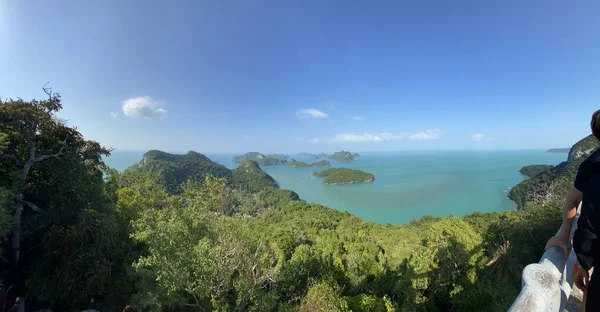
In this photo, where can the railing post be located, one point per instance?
(546, 286)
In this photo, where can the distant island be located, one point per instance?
(334, 176)
(558, 150)
(313, 156)
(300, 164)
(344, 156)
(261, 159)
(533, 170)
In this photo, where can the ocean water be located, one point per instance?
(408, 185)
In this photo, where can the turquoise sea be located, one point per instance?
(408, 185)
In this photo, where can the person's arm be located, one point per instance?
(570, 211)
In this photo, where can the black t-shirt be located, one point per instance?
(586, 170)
(586, 240)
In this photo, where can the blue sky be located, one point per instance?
(289, 76)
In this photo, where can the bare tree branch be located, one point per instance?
(47, 90)
(33, 206)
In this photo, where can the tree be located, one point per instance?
(322, 297)
(62, 225)
(446, 264)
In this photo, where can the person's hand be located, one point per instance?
(561, 241)
(581, 276)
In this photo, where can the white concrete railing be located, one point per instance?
(546, 285)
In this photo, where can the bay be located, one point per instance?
(408, 185)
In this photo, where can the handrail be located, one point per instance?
(547, 285)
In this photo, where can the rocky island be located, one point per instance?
(344, 156)
(300, 164)
(334, 176)
(261, 159)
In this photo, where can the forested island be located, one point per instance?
(344, 156)
(182, 233)
(335, 176)
(533, 170)
(268, 160)
(300, 164)
(313, 156)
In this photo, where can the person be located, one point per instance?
(586, 239)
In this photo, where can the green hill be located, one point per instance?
(250, 177)
(174, 169)
(261, 159)
(300, 164)
(554, 184)
(344, 156)
(344, 176)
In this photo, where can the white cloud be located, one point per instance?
(478, 137)
(311, 113)
(383, 136)
(358, 118)
(356, 137)
(113, 115)
(143, 106)
(426, 135)
(245, 136)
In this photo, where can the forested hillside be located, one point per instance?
(553, 185)
(180, 233)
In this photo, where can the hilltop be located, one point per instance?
(554, 184)
(261, 159)
(344, 156)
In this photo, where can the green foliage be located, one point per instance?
(273, 198)
(52, 181)
(323, 298)
(369, 303)
(439, 272)
(268, 160)
(343, 156)
(344, 176)
(249, 177)
(300, 164)
(6, 221)
(533, 170)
